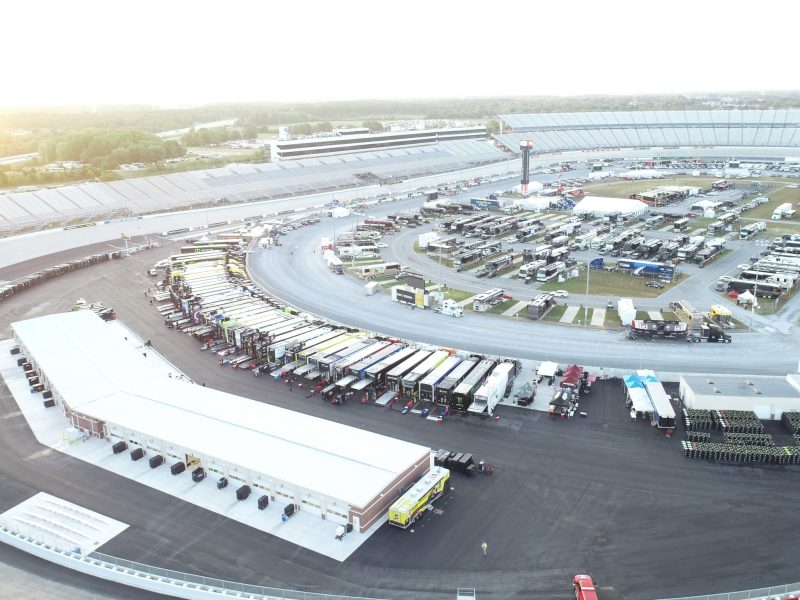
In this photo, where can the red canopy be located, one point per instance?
(572, 376)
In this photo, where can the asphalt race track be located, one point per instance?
(601, 494)
(296, 273)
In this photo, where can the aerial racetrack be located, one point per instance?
(594, 496)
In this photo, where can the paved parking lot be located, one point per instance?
(600, 494)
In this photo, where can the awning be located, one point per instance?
(640, 400)
(328, 388)
(304, 369)
(385, 398)
(313, 374)
(547, 369)
(361, 384)
(289, 367)
(347, 380)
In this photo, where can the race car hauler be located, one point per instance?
(493, 390)
(413, 504)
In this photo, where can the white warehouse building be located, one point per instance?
(768, 396)
(107, 389)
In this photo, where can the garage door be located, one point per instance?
(311, 504)
(337, 514)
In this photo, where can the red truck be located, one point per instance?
(584, 588)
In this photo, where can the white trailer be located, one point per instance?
(493, 389)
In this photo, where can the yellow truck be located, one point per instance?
(411, 505)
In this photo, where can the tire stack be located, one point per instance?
(791, 420)
(742, 453)
(695, 419)
(751, 439)
(737, 421)
(698, 436)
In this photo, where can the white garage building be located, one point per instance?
(107, 389)
(769, 397)
(601, 206)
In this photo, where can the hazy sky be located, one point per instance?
(176, 52)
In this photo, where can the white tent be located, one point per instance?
(547, 369)
(599, 205)
(746, 297)
(339, 212)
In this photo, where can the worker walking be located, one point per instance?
(484, 547)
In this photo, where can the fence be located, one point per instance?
(789, 589)
(155, 579)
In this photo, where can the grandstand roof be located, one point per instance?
(237, 183)
(626, 129)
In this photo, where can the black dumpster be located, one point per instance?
(263, 502)
(119, 447)
(15, 350)
(198, 474)
(243, 492)
(21, 361)
(49, 403)
(137, 453)
(47, 394)
(177, 468)
(453, 461)
(471, 470)
(465, 462)
(289, 510)
(39, 387)
(156, 461)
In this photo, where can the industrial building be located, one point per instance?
(768, 397)
(314, 147)
(107, 390)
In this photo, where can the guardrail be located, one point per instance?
(187, 585)
(781, 591)
(156, 579)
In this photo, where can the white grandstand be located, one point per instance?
(652, 129)
(237, 183)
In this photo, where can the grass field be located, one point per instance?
(614, 284)
(612, 319)
(502, 307)
(776, 197)
(457, 295)
(622, 189)
(554, 314)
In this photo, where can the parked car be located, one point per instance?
(655, 284)
(561, 294)
(743, 266)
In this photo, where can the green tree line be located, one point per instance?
(270, 115)
(108, 148)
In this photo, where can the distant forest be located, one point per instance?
(106, 138)
(261, 117)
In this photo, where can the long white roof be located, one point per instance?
(100, 375)
(602, 206)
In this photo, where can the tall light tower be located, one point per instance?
(525, 146)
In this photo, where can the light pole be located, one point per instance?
(586, 297)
